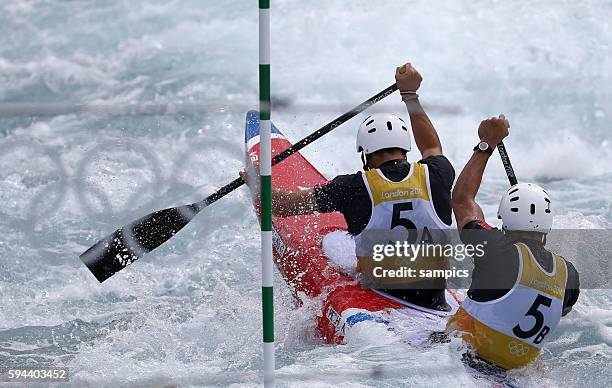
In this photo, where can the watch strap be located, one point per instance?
(488, 150)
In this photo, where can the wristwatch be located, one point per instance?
(483, 146)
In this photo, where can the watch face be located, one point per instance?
(483, 146)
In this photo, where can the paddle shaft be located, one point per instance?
(302, 143)
(507, 165)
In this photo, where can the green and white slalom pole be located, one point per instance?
(265, 153)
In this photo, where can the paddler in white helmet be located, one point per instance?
(390, 192)
(519, 289)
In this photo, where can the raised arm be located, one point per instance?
(492, 131)
(408, 81)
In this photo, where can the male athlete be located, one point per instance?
(417, 194)
(519, 289)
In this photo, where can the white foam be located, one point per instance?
(191, 309)
(339, 247)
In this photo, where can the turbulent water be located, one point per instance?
(190, 312)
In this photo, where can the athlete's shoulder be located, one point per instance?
(573, 277)
(570, 266)
(333, 195)
(479, 225)
(497, 244)
(348, 180)
(437, 161)
(440, 168)
(572, 287)
(572, 272)
(342, 194)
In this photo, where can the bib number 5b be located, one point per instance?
(539, 328)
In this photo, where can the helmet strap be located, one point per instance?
(364, 161)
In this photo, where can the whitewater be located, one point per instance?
(189, 313)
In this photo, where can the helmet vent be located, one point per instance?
(389, 125)
(372, 130)
(513, 191)
(533, 208)
(514, 210)
(404, 128)
(369, 122)
(367, 118)
(514, 199)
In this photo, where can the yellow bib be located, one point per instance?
(402, 211)
(511, 330)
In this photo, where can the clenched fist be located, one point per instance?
(407, 78)
(494, 130)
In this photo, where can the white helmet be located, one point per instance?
(526, 207)
(382, 130)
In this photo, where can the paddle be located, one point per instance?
(507, 165)
(126, 245)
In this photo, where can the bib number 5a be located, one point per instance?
(539, 328)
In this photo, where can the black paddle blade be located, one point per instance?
(128, 244)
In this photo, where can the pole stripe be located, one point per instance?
(264, 36)
(264, 92)
(268, 313)
(265, 154)
(266, 203)
(268, 348)
(267, 266)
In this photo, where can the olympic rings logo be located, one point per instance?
(517, 348)
(45, 190)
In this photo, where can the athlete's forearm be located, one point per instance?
(287, 203)
(464, 194)
(425, 135)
